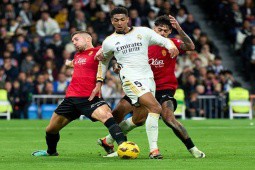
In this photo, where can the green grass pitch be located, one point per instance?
(227, 144)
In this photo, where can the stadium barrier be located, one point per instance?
(252, 99)
(213, 105)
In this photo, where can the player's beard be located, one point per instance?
(81, 48)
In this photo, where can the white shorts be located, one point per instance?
(136, 88)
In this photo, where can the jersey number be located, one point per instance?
(138, 84)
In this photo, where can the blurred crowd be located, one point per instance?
(237, 18)
(35, 42)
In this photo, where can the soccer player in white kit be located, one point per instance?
(129, 45)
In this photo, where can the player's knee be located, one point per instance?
(105, 117)
(51, 130)
(156, 108)
(139, 122)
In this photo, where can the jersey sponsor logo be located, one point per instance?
(127, 48)
(156, 63)
(80, 61)
(163, 52)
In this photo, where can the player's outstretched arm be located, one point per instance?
(187, 44)
(157, 39)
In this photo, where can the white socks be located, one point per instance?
(152, 130)
(126, 126)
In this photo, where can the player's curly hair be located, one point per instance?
(119, 10)
(163, 20)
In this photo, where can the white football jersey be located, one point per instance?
(131, 51)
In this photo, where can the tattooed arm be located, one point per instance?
(187, 44)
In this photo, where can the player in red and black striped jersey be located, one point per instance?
(163, 68)
(77, 101)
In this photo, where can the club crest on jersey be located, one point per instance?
(80, 61)
(163, 52)
(90, 53)
(139, 37)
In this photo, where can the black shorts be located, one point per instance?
(161, 96)
(165, 95)
(73, 107)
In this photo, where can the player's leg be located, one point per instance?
(154, 109)
(138, 119)
(169, 119)
(57, 122)
(63, 115)
(103, 114)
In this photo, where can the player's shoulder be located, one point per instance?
(97, 48)
(141, 29)
(176, 40)
(110, 37)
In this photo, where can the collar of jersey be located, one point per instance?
(131, 28)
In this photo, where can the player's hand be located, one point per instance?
(174, 22)
(69, 63)
(99, 55)
(173, 52)
(116, 68)
(95, 91)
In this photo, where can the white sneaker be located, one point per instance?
(111, 155)
(197, 153)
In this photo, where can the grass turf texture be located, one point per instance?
(227, 144)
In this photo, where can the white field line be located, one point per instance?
(101, 128)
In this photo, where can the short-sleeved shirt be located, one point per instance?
(84, 75)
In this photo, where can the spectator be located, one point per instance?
(249, 54)
(54, 7)
(190, 86)
(197, 66)
(248, 11)
(48, 89)
(134, 19)
(50, 68)
(205, 56)
(9, 12)
(62, 19)
(46, 26)
(26, 15)
(242, 34)
(190, 25)
(15, 98)
(142, 6)
(150, 19)
(217, 66)
(166, 9)
(195, 35)
(193, 108)
(27, 64)
(10, 71)
(2, 75)
(177, 5)
(79, 22)
(101, 25)
(59, 86)
(181, 16)
(39, 84)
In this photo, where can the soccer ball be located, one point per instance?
(128, 150)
